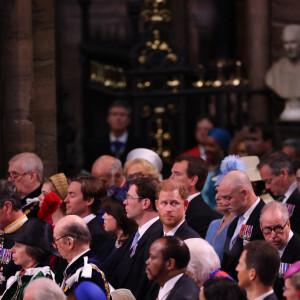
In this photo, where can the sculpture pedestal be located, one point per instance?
(291, 111)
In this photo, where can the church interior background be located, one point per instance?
(64, 62)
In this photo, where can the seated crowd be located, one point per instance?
(220, 227)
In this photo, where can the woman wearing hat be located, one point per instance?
(54, 191)
(216, 147)
(292, 282)
(33, 244)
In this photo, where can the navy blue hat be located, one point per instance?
(222, 137)
(88, 290)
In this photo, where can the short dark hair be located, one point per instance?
(9, 192)
(204, 117)
(92, 187)
(293, 142)
(38, 254)
(176, 248)
(78, 231)
(265, 129)
(146, 188)
(116, 209)
(120, 103)
(276, 160)
(264, 258)
(196, 166)
(223, 288)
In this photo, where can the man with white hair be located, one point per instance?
(43, 288)
(25, 170)
(109, 170)
(276, 228)
(236, 192)
(72, 240)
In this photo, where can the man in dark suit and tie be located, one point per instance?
(257, 269)
(237, 194)
(84, 200)
(276, 170)
(166, 265)
(192, 171)
(129, 271)
(171, 205)
(118, 142)
(276, 228)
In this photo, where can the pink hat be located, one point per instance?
(294, 268)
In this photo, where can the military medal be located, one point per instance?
(246, 232)
(290, 208)
(283, 268)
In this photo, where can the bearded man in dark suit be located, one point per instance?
(193, 171)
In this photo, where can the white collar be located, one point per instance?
(191, 197)
(289, 192)
(76, 257)
(146, 226)
(247, 214)
(123, 138)
(263, 296)
(168, 286)
(88, 218)
(202, 152)
(281, 251)
(172, 231)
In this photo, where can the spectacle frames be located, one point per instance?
(54, 242)
(14, 175)
(277, 229)
(128, 198)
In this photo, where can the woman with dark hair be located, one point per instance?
(33, 244)
(221, 288)
(116, 221)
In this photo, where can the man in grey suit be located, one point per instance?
(257, 269)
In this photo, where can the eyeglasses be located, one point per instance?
(54, 242)
(277, 229)
(129, 198)
(15, 175)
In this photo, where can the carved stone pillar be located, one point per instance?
(258, 53)
(17, 62)
(44, 83)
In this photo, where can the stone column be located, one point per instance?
(258, 56)
(17, 63)
(44, 83)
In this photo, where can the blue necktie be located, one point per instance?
(117, 146)
(135, 239)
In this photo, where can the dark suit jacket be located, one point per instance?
(294, 199)
(101, 146)
(199, 215)
(290, 255)
(130, 272)
(31, 210)
(184, 289)
(271, 297)
(231, 257)
(102, 244)
(186, 232)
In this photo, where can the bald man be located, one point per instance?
(109, 170)
(236, 192)
(72, 239)
(43, 288)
